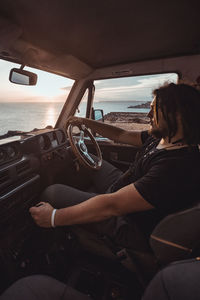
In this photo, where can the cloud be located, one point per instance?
(130, 89)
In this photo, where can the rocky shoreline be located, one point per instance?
(127, 117)
(143, 105)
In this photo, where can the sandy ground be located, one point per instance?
(129, 126)
(128, 120)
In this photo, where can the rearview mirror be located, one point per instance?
(23, 77)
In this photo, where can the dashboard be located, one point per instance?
(25, 153)
(26, 161)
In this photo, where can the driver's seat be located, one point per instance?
(177, 236)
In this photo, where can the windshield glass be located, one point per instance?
(24, 108)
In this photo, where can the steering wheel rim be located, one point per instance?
(80, 149)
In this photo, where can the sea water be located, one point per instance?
(27, 116)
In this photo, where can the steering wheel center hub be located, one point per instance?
(83, 147)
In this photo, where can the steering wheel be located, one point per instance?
(80, 150)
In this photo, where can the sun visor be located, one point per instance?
(66, 65)
(71, 66)
(15, 48)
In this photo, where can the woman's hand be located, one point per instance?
(41, 214)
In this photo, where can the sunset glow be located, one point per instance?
(50, 117)
(49, 88)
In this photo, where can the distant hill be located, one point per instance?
(143, 105)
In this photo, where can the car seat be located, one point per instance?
(179, 280)
(177, 236)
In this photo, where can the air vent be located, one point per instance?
(4, 177)
(22, 167)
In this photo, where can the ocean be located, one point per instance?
(27, 116)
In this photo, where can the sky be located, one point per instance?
(49, 87)
(54, 88)
(137, 88)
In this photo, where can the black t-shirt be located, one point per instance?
(167, 179)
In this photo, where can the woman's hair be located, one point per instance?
(184, 99)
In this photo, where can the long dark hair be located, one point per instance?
(185, 99)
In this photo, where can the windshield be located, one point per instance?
(24, 108)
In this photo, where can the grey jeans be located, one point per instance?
(121, 233)
(41, 287)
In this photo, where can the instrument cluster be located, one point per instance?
(51, 140)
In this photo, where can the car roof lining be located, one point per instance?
(73, 37)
